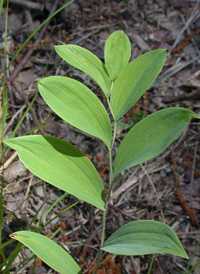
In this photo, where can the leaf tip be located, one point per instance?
(12, 236)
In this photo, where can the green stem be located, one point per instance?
(108, 101)
(114, 133)
(102, 241)
(98, 261)
(111, 181)
(151, 264)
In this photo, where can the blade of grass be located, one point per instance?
(34, 265)
(33, 219)
(1, 5)
(11, 213)
(49, 209)
(27, 110)
(1, 207)
(193, 268)
(151, 264)
(4, 114)
(55, 233)
(37, 128)
(190, 262)
(43, 23)
(6, 243)
(12, 257)
(5, 94)
(2, 257)
(60, 213)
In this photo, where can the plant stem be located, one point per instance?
(111, 181)
(108, 102)
(151, 264)
(102, 241)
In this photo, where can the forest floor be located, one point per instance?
(166, 188)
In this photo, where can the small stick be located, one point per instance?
(9, 161)
(154, 189)
(194, 16)
(189, 32)
(10, 95)
(27, 191)
(86, 36)
(13, 117)
(122, 212)
(28, 4)
(188, 233)
(193, 95)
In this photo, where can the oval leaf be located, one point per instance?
(48, 251)
(62, 165)
(87, 62)
(134, 80)
(77, 105)
(117, 53)
(144, 237)
(149, 137)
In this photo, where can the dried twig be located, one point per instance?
(133, 179)
(13, 117)
(154, 189)
(8, 162)
(11, 97)
(189, 32)
(194, 95)
(122, 212)
(27, 191)
(173, 70)
(194, 16)
(178, 193)
(28, 4)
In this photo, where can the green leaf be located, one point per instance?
(149, 137)
(117, 53)
(134, 80)
(62, 165)
(87, 62)
(77, 105)
(144, 237)
(48, 251)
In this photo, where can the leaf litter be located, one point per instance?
(165, 188)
